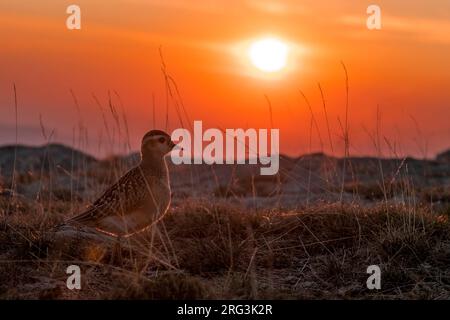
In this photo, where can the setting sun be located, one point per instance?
(268, 55)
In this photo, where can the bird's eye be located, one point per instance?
(162, 140)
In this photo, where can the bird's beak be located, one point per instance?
(174, 146)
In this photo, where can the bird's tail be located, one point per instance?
(71, 230)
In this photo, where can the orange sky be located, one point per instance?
(403, 68)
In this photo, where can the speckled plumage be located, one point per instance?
(138, 199)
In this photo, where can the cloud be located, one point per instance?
(277, 7)
(429, 30)
(201, 6)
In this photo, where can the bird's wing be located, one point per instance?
(126, 195)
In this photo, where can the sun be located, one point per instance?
(268, 54)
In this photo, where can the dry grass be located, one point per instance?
(219, 251)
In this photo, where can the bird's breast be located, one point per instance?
(158, 197)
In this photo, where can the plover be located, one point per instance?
(139, 198)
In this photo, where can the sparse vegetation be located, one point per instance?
(203, 250)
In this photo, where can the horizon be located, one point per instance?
(106, 156)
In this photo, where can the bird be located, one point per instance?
(139, 198)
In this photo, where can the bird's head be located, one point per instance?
(156, 143)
